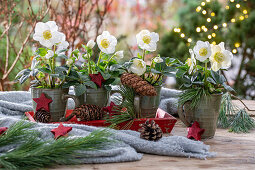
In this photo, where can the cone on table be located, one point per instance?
(150, 131)
(42, 116)
(140, 86)
(87, 112)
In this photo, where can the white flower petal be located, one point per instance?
(138, 67)
(105, 34)
(200, 43)
(99, 38)
(53, 26)
(57, 37)
(154, 37)
(215, 66)
(46, 43)
(91, 44)
(37, 37)
(49, 54)
(40, 27)
(227, 60)
(222, 46)
(216, 48)
(62, 45)
(111, 49)
(113, 40)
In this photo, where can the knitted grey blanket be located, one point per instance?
(129, 148)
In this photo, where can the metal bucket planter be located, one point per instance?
(147, 106)
(59, 101)
(99, 97)
(205, 113)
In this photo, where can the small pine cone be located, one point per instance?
(87, 112)
(140, 86)
(42, 116)
(150, 131)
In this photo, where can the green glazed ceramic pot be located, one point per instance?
(205, 113)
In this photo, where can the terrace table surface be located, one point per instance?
(234, 151)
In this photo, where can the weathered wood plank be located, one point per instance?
(250, 104)
(234, 151)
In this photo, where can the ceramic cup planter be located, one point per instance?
(205, 113)
(99, 97)
(147, 106)
(58, 105)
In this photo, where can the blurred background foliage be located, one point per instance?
(232, 22)
(179, 23)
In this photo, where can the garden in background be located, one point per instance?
(230, 21)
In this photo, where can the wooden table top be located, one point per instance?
(249, 103)
(234, 151)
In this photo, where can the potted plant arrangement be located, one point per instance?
(203, 85)
(93, 79)
(50, 84)
(141, 82)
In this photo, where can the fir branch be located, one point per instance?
(34, 153)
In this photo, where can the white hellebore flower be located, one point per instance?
(62, 45)
(106, 42)
(147, 40)
(119, 55)
(49, 54)
(69, 62)
(158, 60)
(191, 61)
(91, 44)
(202, 50)
(220, 57)
(47, 34)
(138, 67)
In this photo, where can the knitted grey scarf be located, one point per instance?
(131, 146)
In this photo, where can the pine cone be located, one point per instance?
(140, 86)
(87, 112)
(42, 116)
(150, 131)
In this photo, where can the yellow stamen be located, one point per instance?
(47, 35)
(218, 57)
(203, 52)
(146, 39)
(105, 43)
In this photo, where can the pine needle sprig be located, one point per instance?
(234, 118)
(242, 122)
(16, 133)
(34, 153)
(126, 99)
(227, 110)
(193, 95)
